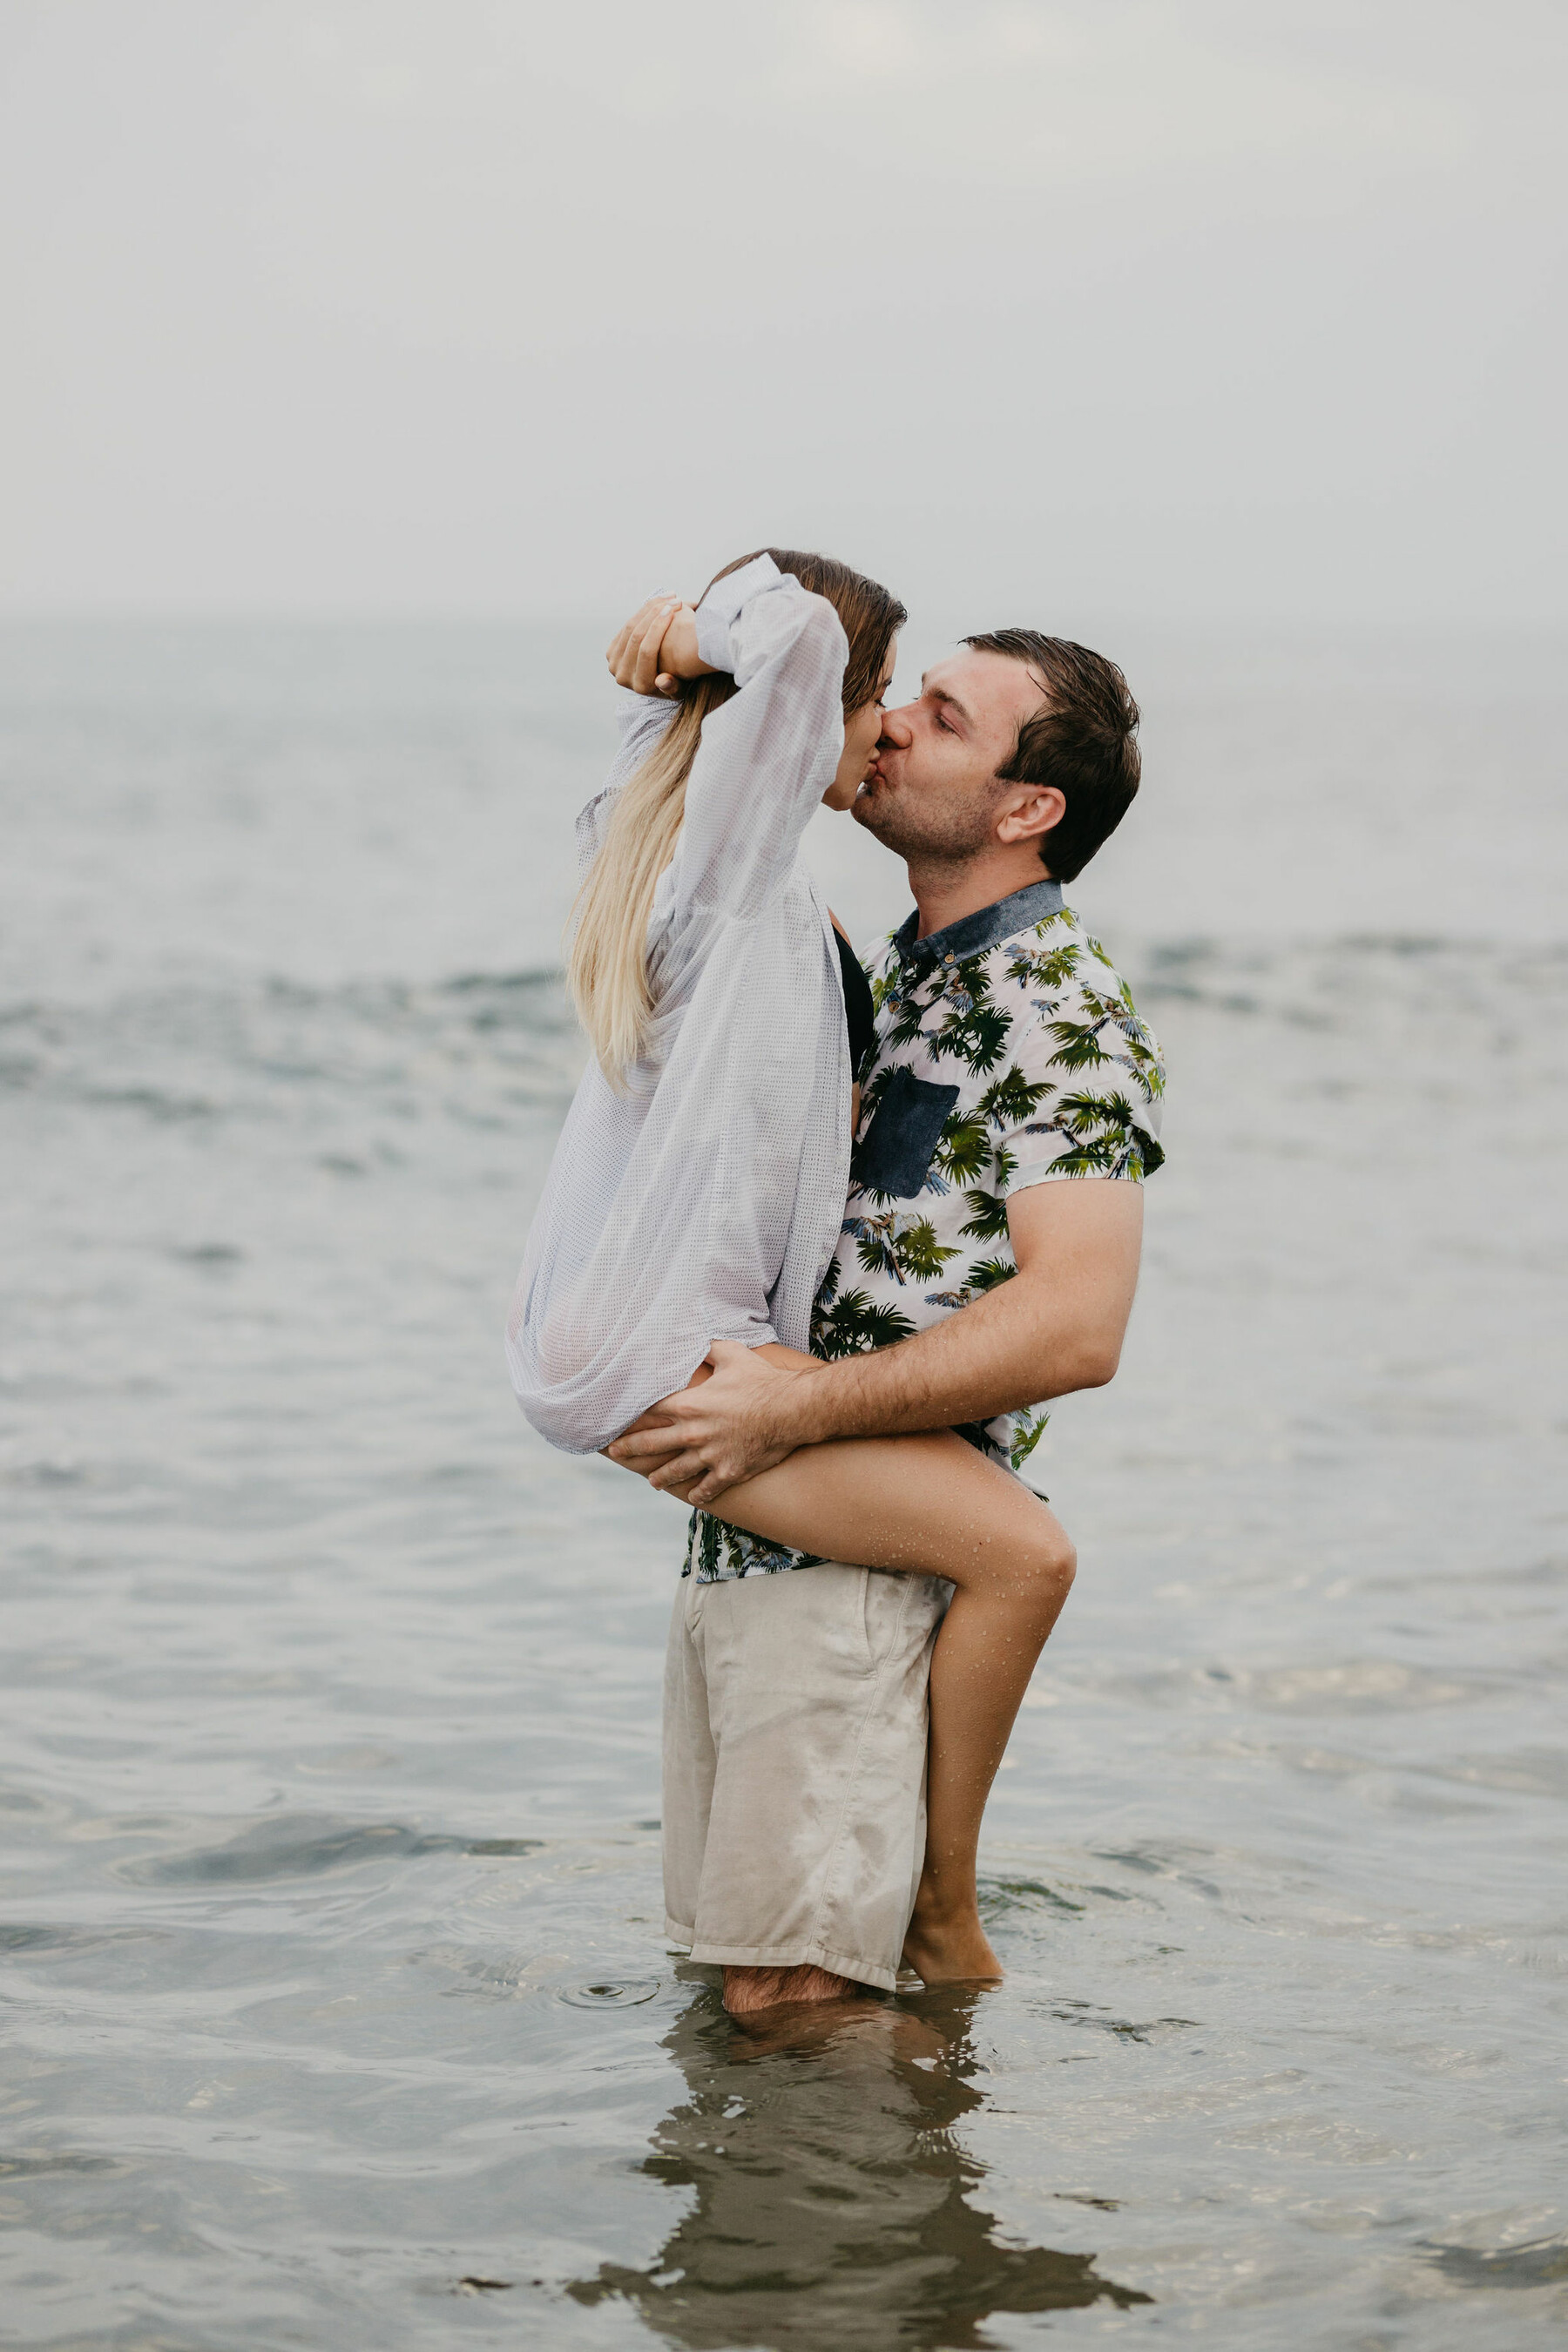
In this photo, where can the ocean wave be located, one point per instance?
(475, 1046)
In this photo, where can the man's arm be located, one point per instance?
(1056, 1326)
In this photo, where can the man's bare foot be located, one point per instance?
(950, 1951)
(748, 1990)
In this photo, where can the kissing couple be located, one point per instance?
(816, 1247)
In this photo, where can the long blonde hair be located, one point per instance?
(607, 967)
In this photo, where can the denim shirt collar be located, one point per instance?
(972, 934)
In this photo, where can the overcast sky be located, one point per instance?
(1177, 308)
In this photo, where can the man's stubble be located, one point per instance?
(948, 832)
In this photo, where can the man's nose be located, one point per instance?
(897, 732)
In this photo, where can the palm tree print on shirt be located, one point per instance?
(1058, 1079)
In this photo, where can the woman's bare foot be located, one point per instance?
(951, 1951)
(749, 1990)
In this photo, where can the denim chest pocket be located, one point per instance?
(895, 1153)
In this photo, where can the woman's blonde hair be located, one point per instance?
(606, 968)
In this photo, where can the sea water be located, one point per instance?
(337, 2010)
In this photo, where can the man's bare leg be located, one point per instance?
(749, 1990)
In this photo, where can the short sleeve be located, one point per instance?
(1083, 1095)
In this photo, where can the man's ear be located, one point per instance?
(1029, 811)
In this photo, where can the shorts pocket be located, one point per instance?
(802, 1629)
(884, 1603)
(837, 1616)
(894, 1155)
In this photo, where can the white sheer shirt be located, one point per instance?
(704, 1203)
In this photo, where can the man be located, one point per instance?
(969, 1282)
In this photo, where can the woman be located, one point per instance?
(698, 1185)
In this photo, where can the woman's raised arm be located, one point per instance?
(769, 754)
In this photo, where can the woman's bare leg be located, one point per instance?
(934, 1505)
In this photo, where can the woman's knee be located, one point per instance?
(1050, 1565)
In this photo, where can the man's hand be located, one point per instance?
(727, 1429)
(674, 1445)
(656, 647)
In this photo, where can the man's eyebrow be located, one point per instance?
(940, 694)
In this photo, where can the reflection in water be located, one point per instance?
(825, 2168)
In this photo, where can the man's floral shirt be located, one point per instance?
(1009, 1053)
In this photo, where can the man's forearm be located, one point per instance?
(1017, 1346)
(1055, 1326)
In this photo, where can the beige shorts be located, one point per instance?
(795, 1758)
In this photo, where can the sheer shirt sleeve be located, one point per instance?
(769, 754)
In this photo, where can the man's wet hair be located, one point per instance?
(1084, 741)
